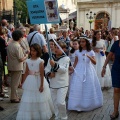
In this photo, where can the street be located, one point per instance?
(99, 114)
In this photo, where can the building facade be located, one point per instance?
(6, 8)
(6, 4)
(103, 10)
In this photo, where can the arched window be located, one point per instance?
(101, 15)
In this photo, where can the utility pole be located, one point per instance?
(0, 12)
(14, 13)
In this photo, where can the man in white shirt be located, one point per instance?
(37, 37)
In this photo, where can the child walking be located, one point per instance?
(85, 92)
(36, 102)
(99, 48)
(75, 47)
(58, 81)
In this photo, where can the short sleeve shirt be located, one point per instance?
(38, 38)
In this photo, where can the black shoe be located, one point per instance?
(15, 101)
(1, 108)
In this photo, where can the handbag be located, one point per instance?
(5, 67)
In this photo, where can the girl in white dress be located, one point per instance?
(85, 92)
(74, 48)
(36, 102)
(99, 49)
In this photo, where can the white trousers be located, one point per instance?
(58, 97)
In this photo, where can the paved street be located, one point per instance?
(99, 114)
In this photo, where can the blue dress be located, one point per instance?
(116, 65)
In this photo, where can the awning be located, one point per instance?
(71, 16)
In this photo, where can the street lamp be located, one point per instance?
(90, 17)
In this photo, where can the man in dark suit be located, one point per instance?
(3, 54)
(3, 49)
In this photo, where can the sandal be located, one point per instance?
(113, 117)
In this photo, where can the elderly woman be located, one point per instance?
(25, 47)
(115, 50)
(16, 58)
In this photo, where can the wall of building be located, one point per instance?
(68, 4)
(6, 4)
(9, 4)
(113, 9)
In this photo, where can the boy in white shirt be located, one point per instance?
(58, 81)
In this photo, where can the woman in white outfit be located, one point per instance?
(99, 49)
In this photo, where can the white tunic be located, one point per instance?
(61, 78)
(106, 80)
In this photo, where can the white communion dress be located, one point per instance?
(72, 58)
(35, 105)
(106, 80)
(85, 92)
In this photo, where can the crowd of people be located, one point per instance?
(77, 67)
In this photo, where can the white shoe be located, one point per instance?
(6, 96)
(5, 88)
(56, 118)
(1, 99)
(65, 118)
(5, 91)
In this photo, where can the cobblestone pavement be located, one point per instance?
(99, 114)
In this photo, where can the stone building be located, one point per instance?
(102, 8)
(6, 7)
(6, 4)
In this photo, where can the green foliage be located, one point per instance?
(21, 6)
(90, 21)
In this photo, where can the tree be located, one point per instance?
(21, 6)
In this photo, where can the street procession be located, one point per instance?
(59, 59)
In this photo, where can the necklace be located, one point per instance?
(32, 61)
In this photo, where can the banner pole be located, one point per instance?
(48, 44)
